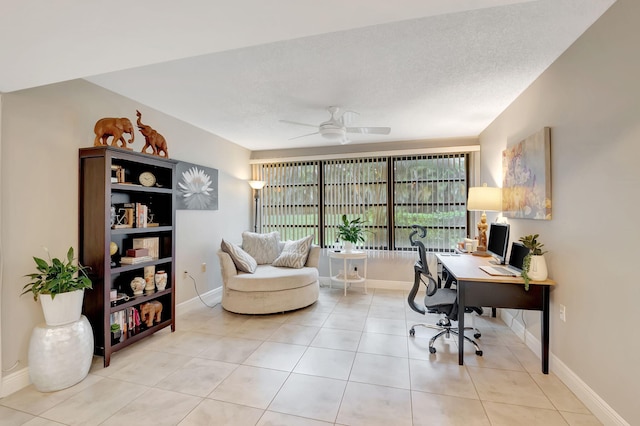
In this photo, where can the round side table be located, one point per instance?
(60, 356)
(345, 277)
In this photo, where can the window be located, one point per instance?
(357, 188)
(389, 193)
(290, 202)
(430, 191)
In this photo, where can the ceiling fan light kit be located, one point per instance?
(335, 128)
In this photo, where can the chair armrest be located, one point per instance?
(227, 267)
(314, 256)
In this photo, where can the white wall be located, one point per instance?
(590, 98)
(42, 129)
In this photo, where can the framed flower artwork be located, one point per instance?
(526, 178)
(197, 187)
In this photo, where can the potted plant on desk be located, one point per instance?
(534, 266)
(351, 232)
(59, 284)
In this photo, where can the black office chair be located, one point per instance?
(439, 299)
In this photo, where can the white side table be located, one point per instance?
(345, 277)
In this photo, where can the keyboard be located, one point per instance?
(499, 270)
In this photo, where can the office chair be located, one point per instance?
(439, 299)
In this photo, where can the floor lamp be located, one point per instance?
(257, 185)
(484, 199)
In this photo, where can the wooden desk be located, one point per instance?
(477, 288)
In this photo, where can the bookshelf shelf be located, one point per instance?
(98, 194)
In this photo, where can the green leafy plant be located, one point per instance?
(57, 276)
(535, 249)
(351, 230)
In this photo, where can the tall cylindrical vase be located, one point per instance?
(538, 268)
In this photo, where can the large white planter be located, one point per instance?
(538, 268)
(65, 308)
(348, 247)
(60, 356)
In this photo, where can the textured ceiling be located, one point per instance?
(430, 69)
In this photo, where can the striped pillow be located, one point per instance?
(243, 261)
(295, 253)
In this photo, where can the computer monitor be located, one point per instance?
(498, 241)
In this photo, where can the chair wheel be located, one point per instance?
(477, 335)
(432, 350)
(412, 332)
(479, 353)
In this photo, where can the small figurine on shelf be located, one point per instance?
(150, 311)
(153, 139)
(115, 127)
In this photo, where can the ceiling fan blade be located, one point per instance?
(369, 130)
(299, 124)
(309, 134)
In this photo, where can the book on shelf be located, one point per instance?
(128, 260)
(141, 215)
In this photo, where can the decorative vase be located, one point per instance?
(65, 308)
(161, 280)
(538, 268)
(137, 285)
(149, 272)
(348, 246)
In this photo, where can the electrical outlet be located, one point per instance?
(563, 313)
(184, 275)
(203, 267)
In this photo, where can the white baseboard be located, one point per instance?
(14, 382)
(589, 398)
(210, 298)
(371, 284)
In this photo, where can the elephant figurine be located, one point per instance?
(150, 311)
(113, 126)
(153, 139)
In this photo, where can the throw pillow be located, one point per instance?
(243, 260)
(264, 248)
(295, 253)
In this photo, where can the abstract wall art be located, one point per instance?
(526, 178)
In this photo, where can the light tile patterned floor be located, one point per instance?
(346, 360)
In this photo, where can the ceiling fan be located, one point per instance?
(336, 127)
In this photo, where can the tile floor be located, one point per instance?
(346, 360)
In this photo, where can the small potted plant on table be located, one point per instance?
(534, 266)
(351, 232)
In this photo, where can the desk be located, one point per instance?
(477, 288)
(346, 277)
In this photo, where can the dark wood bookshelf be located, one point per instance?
(97, 193)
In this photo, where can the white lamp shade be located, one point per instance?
(484, 198)
(257, 184)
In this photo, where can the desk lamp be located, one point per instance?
(257, 185)
(484, 199)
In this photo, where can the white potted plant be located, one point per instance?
(534, 266)
(351, 232)
(60, 285)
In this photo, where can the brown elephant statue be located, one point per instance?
(113, 126)
(150, 311)
(153, 139)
